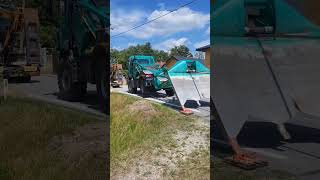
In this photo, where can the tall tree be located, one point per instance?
(181, 50)
(161, 55)
(121, 56)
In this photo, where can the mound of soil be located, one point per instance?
(86, 142)
(142, 106)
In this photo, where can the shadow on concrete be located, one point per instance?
(19, 81)
(91, 100)
(265, 135)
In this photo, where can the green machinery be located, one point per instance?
(188, 79)
(146, 75)
(84, 48)
(265, 71)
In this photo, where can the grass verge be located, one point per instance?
(36, 139)
(143, 137)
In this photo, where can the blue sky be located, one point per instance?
(188, 26)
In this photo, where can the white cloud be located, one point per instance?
(122, 20)
(183, 20)
(117, 48)
(132, 44)
(208, 30)
(170, 43)
(202, 43)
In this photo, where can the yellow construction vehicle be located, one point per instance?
(19, 42)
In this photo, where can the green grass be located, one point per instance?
(128, 129)
(27, 128)
(133, 135)
(195, 167)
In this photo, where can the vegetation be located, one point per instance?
(37, 142)
(180, 51)
(146, 49)
(130, 129)
(144, 145)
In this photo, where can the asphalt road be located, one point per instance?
(45, 88)
(202, 111)
(299, 156)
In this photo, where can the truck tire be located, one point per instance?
(68, 90)
(169, 92)
(143, 90)
(102, 86)
(131, 87)
(27, 79)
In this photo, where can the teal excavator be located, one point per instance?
(84, 49)
(265, 72)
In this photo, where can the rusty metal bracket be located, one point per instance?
(186, 111)
(244, 159)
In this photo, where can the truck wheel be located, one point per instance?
(68, 90)
(102, 83)
(169, 92)
(131, 87)
(143, 89)
(27, 78)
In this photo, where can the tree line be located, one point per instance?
(121, 56)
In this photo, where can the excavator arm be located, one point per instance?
(14, 17)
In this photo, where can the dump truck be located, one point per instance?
(265, 71)
(19, 42)
(83, 49)
(145, 74)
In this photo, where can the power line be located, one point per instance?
(152, 20)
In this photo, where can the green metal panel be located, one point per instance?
(83, 24)
(229, 18)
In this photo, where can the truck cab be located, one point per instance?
(145, 74)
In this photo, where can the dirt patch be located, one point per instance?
(87, 141)
(142, 106)
(164, 160)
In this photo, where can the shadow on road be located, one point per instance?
(91, 100)
(266, 135)
(19, 81)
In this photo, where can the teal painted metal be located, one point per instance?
(138, 65)
(181, 68)
(229, 18)
(83, 24)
